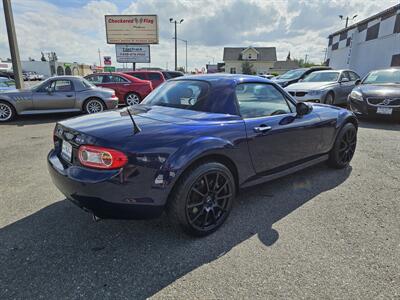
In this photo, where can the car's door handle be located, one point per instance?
(262, 128)
(69, 96)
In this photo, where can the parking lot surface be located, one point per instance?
(320, 233)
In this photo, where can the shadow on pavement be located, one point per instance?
(59, 252)
(40, 119)
(380, 123)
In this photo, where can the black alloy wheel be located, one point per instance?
(344, 147)
(203, 198)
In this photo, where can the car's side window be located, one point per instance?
(345, 74)
(154, 76)
(139, 75)
(119, 79)
(95, 79)
(353, 76)
(107, 79)
(62, 86)
(43, 88)
(260, 100)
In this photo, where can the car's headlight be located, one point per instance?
(356, 95)
(315, 93)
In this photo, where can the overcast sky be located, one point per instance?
(74, 29)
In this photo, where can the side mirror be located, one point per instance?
(358, 81)
(344, 79)
(303, 108)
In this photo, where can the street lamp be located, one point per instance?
(171, 20)
(186, 43)
(347, 19)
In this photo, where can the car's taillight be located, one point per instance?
(101, 158)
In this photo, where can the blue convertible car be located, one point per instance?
(191, 145)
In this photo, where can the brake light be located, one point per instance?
(101, 158)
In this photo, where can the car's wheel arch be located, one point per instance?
(92, 98)
(10, 103)
(209, 156)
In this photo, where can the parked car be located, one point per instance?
(6, 84)
(172, 74)
(156, 77)
(329, 87)
(56, 95)
(378, 94)
(129, 90)
(296, 75)
(267, 76)
(191, 145)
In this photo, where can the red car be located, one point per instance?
(129, 90)
(156, 77)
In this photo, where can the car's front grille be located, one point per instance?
(384, 101)
(298, 94)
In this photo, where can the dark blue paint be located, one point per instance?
(172, 139)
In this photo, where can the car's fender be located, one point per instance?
(206, 146)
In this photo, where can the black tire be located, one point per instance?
(345, 145)
(7, 112)
(204, 193)
(330, 98)
(90, 105)
(132, 99)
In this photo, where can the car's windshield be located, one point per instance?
(186, 94)
(292, 74)
(87, 83)
(322, 76)
(383, 77)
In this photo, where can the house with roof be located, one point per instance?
(262, 59)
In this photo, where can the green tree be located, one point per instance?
(247, 68)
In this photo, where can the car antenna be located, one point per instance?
(136, 129)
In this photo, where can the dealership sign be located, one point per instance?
(107, 60)
(131, 29)
(133, 53)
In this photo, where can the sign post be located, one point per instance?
(132, 53)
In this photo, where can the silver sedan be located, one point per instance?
(55, 95)
(330, 87)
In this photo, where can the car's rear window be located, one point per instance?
(185, 94)
(138, 75)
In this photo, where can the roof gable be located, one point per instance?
(264, 53)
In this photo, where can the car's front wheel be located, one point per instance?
(344, 147)
(7, 111)
(132, 99)
(93, 105)
(329, 98)
(203, 198)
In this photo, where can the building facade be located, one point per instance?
(52, 68)
(373, 43)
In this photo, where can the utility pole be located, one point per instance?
(98, 50)
(171, 20)
(186, 59)
(12, 40)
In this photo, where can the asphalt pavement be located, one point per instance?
(318, 234)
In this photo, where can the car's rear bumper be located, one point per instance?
(104, 193)
(362, 108)
(111, 103)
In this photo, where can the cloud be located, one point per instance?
(76, 31)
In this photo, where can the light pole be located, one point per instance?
(186, 43)
(171, 20)
(347, 19)
(12, 41)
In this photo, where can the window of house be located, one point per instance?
(395, 60)
(233, 71)
(249, 55)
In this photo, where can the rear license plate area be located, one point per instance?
(66, 151)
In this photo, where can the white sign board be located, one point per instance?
(131, 29)
(132, 53)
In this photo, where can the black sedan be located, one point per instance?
(191, 145)
(377, 95)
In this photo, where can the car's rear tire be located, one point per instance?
(132, 99)
(7, 112)
(329, 98)
(344, 147)
(93, 105)
(202, 198)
